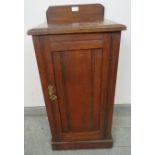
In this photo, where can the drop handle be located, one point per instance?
(51, 93)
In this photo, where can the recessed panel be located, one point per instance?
(78, 81)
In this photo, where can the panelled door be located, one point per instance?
(77, 80)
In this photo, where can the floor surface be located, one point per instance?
(37, 135)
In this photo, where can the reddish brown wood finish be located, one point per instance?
(83, 144)
(88, 27)
(85, 13)
(88, 19)
(82, 67)
(84, 76)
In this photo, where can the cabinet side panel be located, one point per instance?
(113, 63)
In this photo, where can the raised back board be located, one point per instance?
(75, 13)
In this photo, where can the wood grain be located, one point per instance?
(83, 145)
(70, 28)
(80, 61)
(85, 13)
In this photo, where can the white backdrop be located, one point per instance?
(116, 10)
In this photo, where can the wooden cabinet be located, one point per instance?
(77, 62)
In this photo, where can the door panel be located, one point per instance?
(80, 76)
(76, 70)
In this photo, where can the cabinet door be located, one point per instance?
(77, 66)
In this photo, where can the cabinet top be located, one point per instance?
(76, 19)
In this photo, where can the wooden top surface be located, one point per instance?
(105, 26)
(76, 19)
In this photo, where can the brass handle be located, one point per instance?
(51, 93)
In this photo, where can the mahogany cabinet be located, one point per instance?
(77, 55)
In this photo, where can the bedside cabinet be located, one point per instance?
(77, 54)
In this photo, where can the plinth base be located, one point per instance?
(82, 144)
